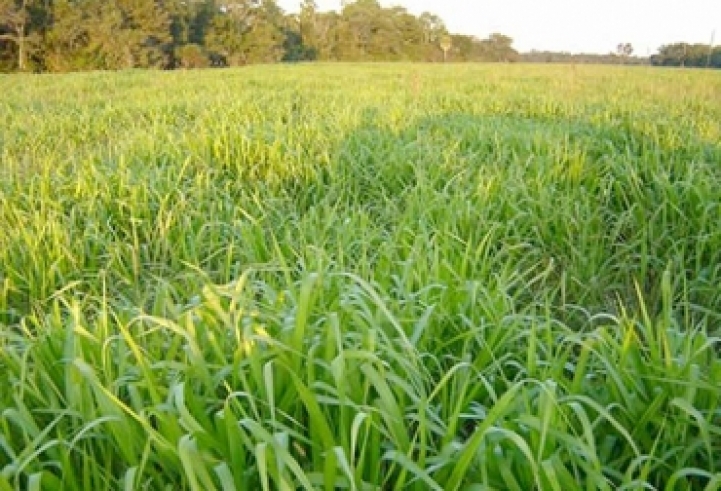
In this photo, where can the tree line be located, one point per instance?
(537, 56)
(67, 35)
(70, 35)
(690, 55)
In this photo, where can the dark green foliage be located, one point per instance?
(69, 35)
(691, 55)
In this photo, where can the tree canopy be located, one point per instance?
(691, 55)
(67, 35)
(64, 35)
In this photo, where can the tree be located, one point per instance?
(446, 43)
(496, 48)
(66, 41)
(410, 35)
(683, 54)
(189, 20)
(145, 25)
(108, 34)
(624, 51)
(328, 31)
(247, 32)
(308, 29)
(225, 36)
(499, 48)
(715, 59)
(15, 28)
(64, 35)
(433, 29)
(360, 23)
(535, 56)
(192, 56)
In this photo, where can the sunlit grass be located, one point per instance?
(361, 277)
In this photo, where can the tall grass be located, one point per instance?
(361, 277)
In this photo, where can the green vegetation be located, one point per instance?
(79, 35)
(691, 55)
(361, 277)
(75, 35)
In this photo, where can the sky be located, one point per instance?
(590, 26)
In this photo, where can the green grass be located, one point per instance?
(361, 277)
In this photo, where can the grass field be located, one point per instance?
(361, 277)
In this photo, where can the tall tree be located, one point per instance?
(226, 32)
(500, 48)
(145, 24)
(692, 55)
(247, 32)
(411, 37)
(433, 29)
(446, 44)
(189, 20)
(264, 43)
(358, 26)
(66, 41)
(309, 28)
(624, 51)
(63, 35)
(367, 31)
(16, 29)
(108, 34)
(329, 26)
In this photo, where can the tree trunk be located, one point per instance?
(129, 58)
(22, 55)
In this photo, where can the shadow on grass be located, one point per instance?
(570, 212)
(587, 214)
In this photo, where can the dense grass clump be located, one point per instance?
(361, 277)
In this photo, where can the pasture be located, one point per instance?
(448, 277)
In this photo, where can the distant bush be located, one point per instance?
(192, 56)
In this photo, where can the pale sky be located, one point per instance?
(593, 26)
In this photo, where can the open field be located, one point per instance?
(361, 277)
